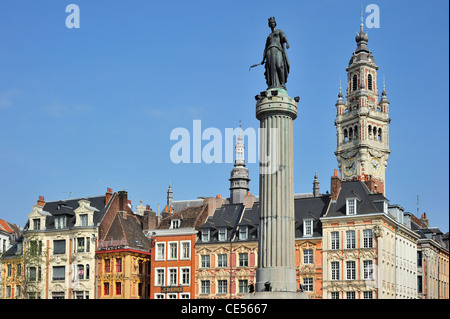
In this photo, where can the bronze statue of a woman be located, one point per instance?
(275, 58)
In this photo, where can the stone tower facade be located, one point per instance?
(239, 180)
(362, 122)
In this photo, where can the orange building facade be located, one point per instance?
(172, 263)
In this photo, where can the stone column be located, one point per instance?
(276, 111)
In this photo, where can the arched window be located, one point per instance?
(355, 133)
(350, 134)
(345, 136)
(370, 131)
(369, 81)
(374, 133)
(379, 134)
(355, 82)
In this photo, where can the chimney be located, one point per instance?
(108, 195)
(150, 218)
(41, 201)
(123, 200)
(335, 185)
(424, 220)
(316, 186)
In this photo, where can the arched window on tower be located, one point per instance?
(355, 82)
(374, 133)
(355, 133)
(379, 134)
(370, 132)
(369, 82)
(350, 134)
(345, 136)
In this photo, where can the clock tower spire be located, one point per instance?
(362, 121)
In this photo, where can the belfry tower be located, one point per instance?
(239, 180)
(362, 122)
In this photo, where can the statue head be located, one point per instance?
(272, 22)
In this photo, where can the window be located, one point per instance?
(307, 227)
(351, 270)
(351, 241)
(59, 272)
(243, 260)
(107, 266)
(335, 295)
(368, 269)
(369, 82)
(186, 250)
(37, 224)
(419, 284)
(34, 273)
(83, 244)
(83, 220)
(351, 206)
(350, 295)
(175, 223)
(419, 259)
(334, 270)
(185, 295)
(308, 284)
(368, 238)
(368, 295)
(205, 287)
(160, 251)
(222, 287)
(205, 261)
(243, 286)
(118, 264)
(59, 247)
(173, 275)
(222, 233)
(118, 288)
(185, 276)
(60, 222)
(173, 250)
(205, 235)
(80, 271)
(9, 270)
(307, 256)
(334, 240)
(243, 232)
(355, 82)
(222, 260)
(159, 279)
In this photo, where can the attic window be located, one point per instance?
(222, 234)
(243, 232)
(205, 235)
(351, 206)
(307, 228)
(175, 223)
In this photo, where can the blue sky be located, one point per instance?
(90, 108)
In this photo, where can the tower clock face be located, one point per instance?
(375, 166)
(350, 167)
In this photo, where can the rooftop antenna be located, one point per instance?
(417, 215)
(70, 193)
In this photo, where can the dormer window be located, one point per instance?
(60, 222)
(205, 235)
(36, 224)
(222, 234)
(351, 206)
(175, 223)
(83, 220)
(307, 228)
(243, 233)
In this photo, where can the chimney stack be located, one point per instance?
(108, 195)
(335, 185)
(123, 200)
(41, 201)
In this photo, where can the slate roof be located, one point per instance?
(235, 215)
(67, 207)
(227, 216)
(310, 208)
(367, 203)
